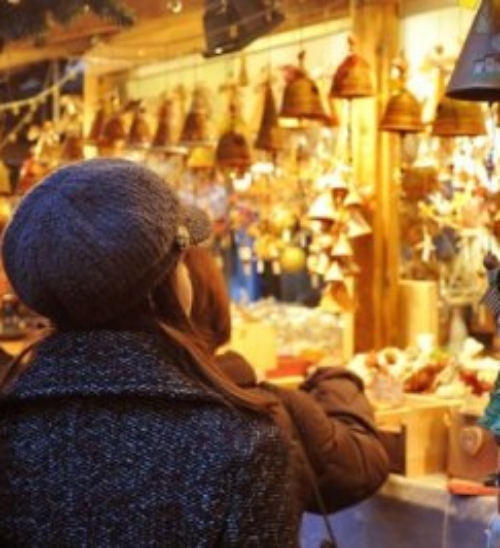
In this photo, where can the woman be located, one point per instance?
(328, 420)
(115, 430)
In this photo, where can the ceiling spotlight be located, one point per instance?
(231, 25)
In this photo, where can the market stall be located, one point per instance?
(353, 203)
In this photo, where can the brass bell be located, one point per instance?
(476, 76)
(403, 114)
(323, 208)
(195, 129)
(201, 157)
(270, 135)
(458, 119)
(334, 273)
(113, 133)
(357, 226)
(233, 151)
(97, 125)
(342, 247)
(139, 134)
(353, 78)
(72, 148)
(164, 134)
(301, 99)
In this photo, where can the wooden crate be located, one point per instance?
(416, 435)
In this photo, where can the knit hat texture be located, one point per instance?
(94, 238)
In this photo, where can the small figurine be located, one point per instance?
(491, 298)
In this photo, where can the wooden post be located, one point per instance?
(376, 27)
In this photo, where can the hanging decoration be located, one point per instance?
(21, 20)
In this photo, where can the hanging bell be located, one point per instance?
(302, 99)
(97, 126)
(353, 78)
(233, 151)
(403, 114)
(476, 76)
(323, 208)
(342, 247)
(201, 157)
(139, 134)
(334, 273)
(72, 148)
(270, 135)
(195, 129)
(353, 198)
(357, 226)
(458, 119)
(164, 134)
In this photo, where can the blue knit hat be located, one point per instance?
(94, 238)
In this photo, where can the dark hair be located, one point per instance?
(163, 313)
(211, 308)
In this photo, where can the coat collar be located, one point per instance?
(103, 362)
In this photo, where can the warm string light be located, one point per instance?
(16, 106)
(32, 103)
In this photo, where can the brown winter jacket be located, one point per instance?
(334, 420)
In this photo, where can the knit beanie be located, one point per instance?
(94, 238)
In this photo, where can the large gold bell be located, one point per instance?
(201, 157)
(233, 151)
(403, 113)
(302, 99)
(195, 130)
(139, 134)
(476, 76)
(164, 134)
(352, 79)
(458, 119)
(270, 135)
(97, 125)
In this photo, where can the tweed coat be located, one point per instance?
(105, 442)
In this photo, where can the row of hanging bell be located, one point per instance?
(302, 97)
(453, 118)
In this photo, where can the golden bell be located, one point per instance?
(233, 151)
(270, 135)
(139, 134)
(334, 273)
(352, 79)
(357, 226)
(323, 208)
(302, 99)
(342, 247)
(113, 132)
(403, 114)
(353, 198)
(163, 136)
(458, 119)
(72, 148)
(201, 157)
(476, 76)
(195, 130)
(97, 126)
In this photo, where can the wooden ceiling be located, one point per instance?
(159, 32)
